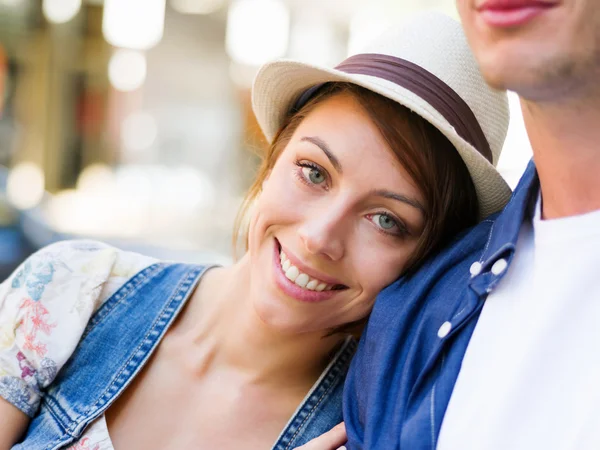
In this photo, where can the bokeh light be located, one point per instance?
(95, 178)
(127, 70)
(197, 6)
(366, 24)
(133, 24)
(138, 132)
(60, 11)
(257, 31)
(25, 185)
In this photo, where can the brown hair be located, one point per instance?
(429, 158)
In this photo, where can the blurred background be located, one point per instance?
(129, 121)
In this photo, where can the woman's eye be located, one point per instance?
(315, 176)
(384, 221)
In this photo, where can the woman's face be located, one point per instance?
(336, 221)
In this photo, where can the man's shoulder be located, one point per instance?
(412, 347)
(402, 335)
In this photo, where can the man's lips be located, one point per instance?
(507, 5)
(512, 13)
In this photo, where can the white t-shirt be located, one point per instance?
(530, 378)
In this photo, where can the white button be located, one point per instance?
(499, 266)
(444, 330)
(475, 268)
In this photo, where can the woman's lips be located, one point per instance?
(512, 13)
(291, 289)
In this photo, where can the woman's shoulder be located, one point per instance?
(76, 267)
(45, 306)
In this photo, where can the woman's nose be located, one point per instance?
(324, 235)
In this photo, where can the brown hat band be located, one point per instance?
(427, 86)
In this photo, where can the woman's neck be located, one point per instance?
(224, 328)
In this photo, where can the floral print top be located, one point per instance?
(45, 306)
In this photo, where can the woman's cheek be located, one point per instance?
(383, 267)
(283, 195)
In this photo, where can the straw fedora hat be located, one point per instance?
(426, 65)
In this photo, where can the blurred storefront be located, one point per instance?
(130, 121)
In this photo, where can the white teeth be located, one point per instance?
(302, 280)
(312, 284)
(292, 273)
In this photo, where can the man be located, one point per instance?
(495, 343)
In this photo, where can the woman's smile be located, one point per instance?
(299, 281)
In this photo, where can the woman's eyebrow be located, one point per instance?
(401, 198)
(323, 146)
(379, 192)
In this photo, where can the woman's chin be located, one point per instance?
(282, 318)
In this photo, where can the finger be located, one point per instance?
(332, 440)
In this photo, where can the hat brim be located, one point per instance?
(278, 85)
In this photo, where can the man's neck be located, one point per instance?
(566, 148)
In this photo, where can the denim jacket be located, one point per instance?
(120, 338)
(409, 356)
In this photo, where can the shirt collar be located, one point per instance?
(503, 236)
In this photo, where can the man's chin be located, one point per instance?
(497, 78)
(506, 72)
(534, 82)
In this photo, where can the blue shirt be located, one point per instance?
(409, 356)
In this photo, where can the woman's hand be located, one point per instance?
(334, 439)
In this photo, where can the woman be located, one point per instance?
(105, 349)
